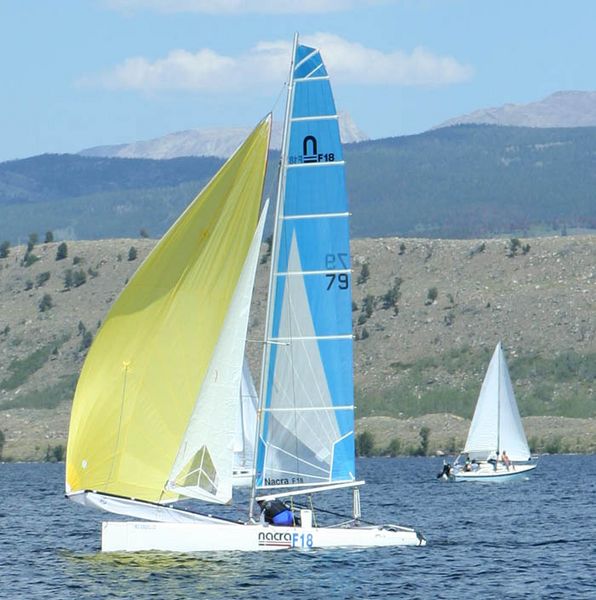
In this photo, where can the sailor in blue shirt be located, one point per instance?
(277, 512)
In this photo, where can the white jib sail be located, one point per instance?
(203, 467)
(244, 444)
(497, 425)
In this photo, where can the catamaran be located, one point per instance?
(156, 410)
(496, 448)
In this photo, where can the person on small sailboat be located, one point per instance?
(445, 472)
(493, 459)
(506, 460)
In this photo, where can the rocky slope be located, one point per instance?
(424, 353)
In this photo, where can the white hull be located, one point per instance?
(126, 536)
(488, 473)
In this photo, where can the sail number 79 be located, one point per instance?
(341, 279)
(337, 261)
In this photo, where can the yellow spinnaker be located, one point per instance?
(143, 372)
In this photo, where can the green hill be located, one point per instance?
(458, 182)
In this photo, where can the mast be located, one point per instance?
(499, 402)
(275, 251)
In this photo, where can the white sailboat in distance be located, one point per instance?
(496, 448)
(156, 411)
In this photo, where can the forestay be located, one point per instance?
(307, 429)
(496, 424)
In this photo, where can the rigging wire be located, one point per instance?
(271, 182)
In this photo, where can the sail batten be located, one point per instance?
(334, 163)
(306, 433)
(143, 373)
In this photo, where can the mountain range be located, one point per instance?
(460, 181)
(456, 182)
(561, 109)
(220, 142)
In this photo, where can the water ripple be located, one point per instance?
(527, 539)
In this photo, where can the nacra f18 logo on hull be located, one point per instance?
(275, 538)
(284, 539)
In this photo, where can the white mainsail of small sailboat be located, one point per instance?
(496, 434)
(156, 415)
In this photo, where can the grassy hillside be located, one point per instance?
(422, 345)
(464, 181)
(457, 299)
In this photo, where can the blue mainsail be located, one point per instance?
(307, 427)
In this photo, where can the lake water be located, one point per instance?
(527, 539)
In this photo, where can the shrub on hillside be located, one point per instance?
(392, 295)
(46, 303)
(365, 443)
(29, 259)
(62, 251)
(68, 279)
(368, 305)
(33, 239)
(55, 453)
(79, 278)
(42, 278)
(364, 274)
(477, 249)
(394, 447)
(86, 341)
(424, 434)
(431, 296)
(4, 249)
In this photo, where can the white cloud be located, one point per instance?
(265, 66)
(351, 62)
(241, 6)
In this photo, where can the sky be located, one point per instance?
(81, 73)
